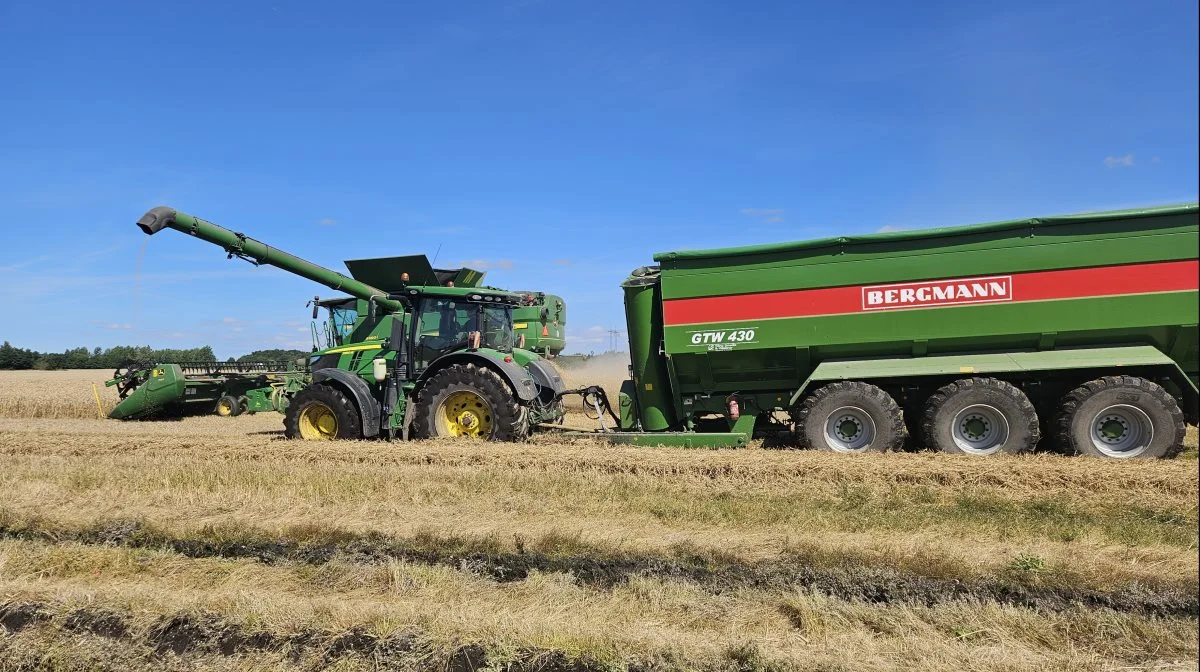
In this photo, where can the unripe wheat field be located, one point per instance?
(215, 544)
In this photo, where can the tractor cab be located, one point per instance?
(448, 319)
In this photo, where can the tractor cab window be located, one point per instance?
(496, 325)
(443, 327)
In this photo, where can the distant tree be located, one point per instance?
(276, 355)
(16, 358)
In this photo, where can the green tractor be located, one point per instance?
(421, 358)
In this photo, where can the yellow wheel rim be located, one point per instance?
(318, 423)
(224, 408)
(465, 413)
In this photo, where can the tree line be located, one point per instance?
(12, 357)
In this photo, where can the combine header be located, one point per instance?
(224, 388)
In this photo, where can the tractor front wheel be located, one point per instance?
(321, 413)
(468, 400)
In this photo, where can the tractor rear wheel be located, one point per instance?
(850, 417)
(1121, 417)
(227, 407)
(980, 416)
(469, 400)
(322, 413)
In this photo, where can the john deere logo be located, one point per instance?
(937, 293)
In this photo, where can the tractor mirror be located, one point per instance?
(316, 308)
(371, 313)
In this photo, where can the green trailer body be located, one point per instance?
(762, 324)
(184, 388)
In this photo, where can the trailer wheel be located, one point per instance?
(1121, 417)
(322, 413)
(980, 416)
(227, 407)
(850, 417)
(469, 400)
(244, 405)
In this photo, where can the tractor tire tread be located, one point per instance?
(510, 421)
(349, 420)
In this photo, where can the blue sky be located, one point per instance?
(557, 144)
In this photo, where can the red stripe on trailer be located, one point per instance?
(1074, 283)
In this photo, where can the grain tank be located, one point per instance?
(1081, 329)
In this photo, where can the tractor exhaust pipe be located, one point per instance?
(156, 219)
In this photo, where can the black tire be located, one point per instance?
(493, 406)
(309, 412)
(1145, 420)
(998, 413)
(227, 407)
(876, 418)
(244, 405)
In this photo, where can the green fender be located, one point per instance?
(1003, 362)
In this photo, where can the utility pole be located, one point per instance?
(613, 339)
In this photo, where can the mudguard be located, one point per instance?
(368, 406)
(517, 378)
(546, 379)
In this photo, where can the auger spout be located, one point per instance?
(241, 245)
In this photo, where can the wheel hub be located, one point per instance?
(849, 430)
(465, 413)
(1122, 430)
(979, 429)
(318, 423)
(1113, 428)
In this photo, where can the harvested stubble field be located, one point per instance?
(211, 543)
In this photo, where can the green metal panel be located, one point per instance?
(643, 314)
(543, 322)
(679, 439)
(991, 363)
(1004, 232)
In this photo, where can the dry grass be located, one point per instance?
(55, 394)
(411, 535)
(666, 623)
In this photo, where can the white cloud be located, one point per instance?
(1119, 161)
(768, 215)
(564, 262)
(123, 327)
(327, 221)
(229, 320)
(888, 228)
(485, 264)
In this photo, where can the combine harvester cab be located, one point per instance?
(416, 350)
(977, 340)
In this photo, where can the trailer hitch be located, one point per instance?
(594, 399)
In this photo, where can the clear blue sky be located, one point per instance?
(559, 144)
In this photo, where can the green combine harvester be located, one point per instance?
(414, 354)
(979, 340)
